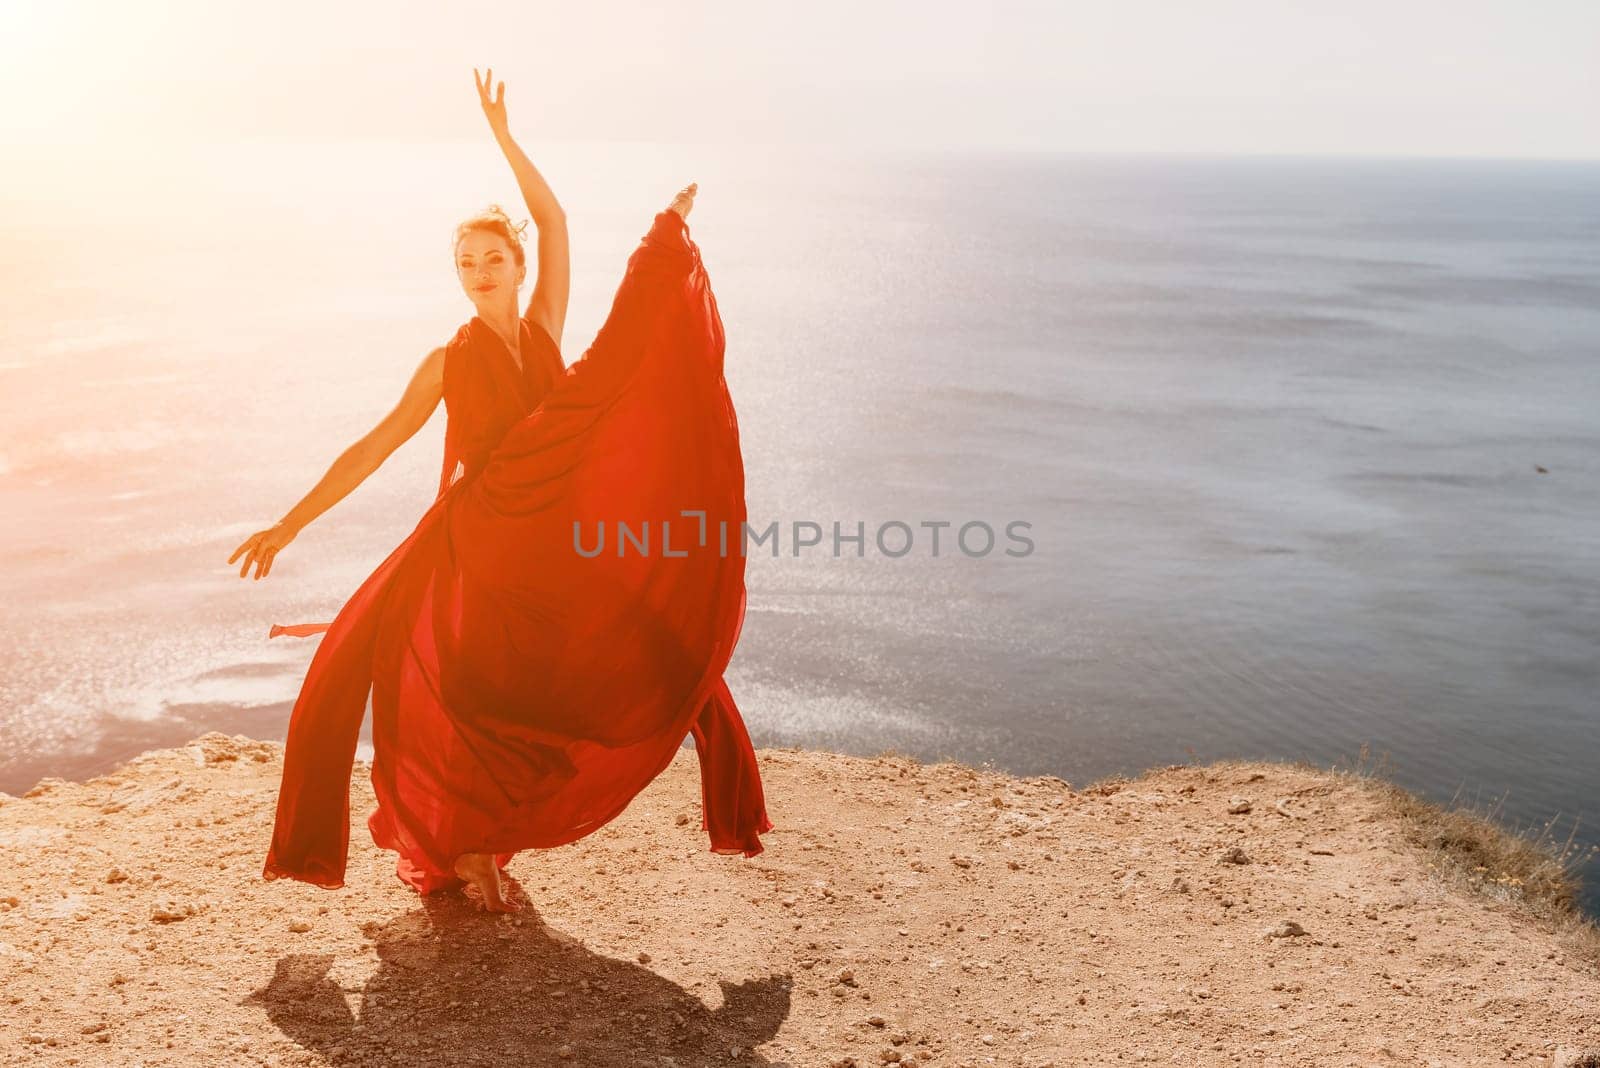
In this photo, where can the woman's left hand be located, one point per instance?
(493, 109)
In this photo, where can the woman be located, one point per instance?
(524, 691)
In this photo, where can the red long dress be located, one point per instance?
(525, 688)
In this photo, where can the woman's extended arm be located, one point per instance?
(548, 304)
(416, 406)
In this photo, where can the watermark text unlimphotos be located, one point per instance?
(893, 538)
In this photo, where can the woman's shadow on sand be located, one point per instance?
(456, 986)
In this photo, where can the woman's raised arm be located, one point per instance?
(548, 304)
(416, 406)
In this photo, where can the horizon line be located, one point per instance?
(845, 147)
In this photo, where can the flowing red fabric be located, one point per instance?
(524, 687)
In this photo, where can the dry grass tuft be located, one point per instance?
(1469, 847)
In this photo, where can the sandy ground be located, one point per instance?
(920, 914)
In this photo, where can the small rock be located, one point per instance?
(1238, 806)
(643, 957)
(1286, 929)
(1233, 855)
(299, 926)
(168, 910)
(116, 875)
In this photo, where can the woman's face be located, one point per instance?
(488, 269)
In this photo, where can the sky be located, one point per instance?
(1396, 77)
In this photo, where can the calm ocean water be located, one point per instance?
(1277, 425)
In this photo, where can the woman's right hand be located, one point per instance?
(262, 547)
(494, 110)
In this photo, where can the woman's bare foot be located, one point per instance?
(683, 203)
(479, 870)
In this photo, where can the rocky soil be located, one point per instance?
(1235, 913)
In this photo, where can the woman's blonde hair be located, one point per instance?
(494, 220)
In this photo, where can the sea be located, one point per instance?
(1079, 465)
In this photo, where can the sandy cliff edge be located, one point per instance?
(1233, 913)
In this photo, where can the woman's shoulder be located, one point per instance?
(541, 333)
(549, 350)
(461, 338)
(434, 363)
(448, 354)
